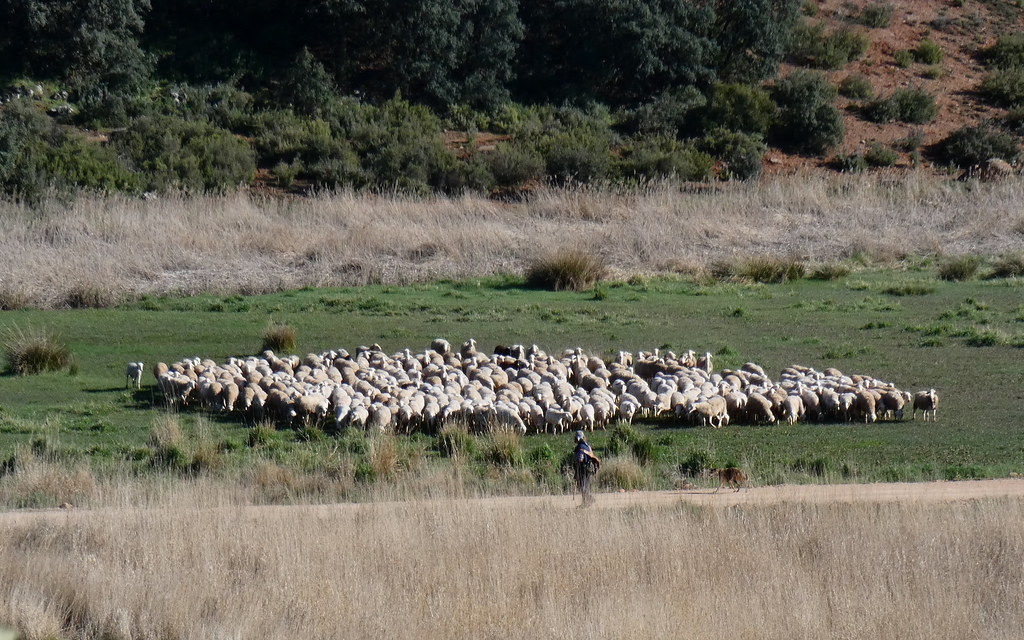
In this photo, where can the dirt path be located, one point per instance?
(909, 492)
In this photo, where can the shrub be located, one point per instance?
(171, 153)
(514, 165)
(663, 158)
(830, 271)
(504, 449)
(911, 142)
(811, 45)
(913, 105)
(856, 86)
(279, 338)
(880, 156)
(1014, 120)
(696, 463)
(383, 456)
(740, 107)
(262, 435)
(455, 441)
(578, 157)
(851, 162)
(34, 351)
(769, 269)
(622, 473)
(959, 268)
(933, 72)
(341, 170)
(167, 443)
(876, 15)
(86, 296)
(740, 153)
(972, 146)
(903, 58)
(572, 270)
(928, 52)
(1009, 266)
(286, 172)
(1004, 87)
(1006, 53)
(808, 121)
(672, 114)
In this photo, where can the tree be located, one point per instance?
(752, 36)
(91, 45)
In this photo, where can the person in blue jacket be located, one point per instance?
(584, 465)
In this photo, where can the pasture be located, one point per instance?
(904, 326)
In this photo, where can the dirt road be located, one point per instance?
(909, 492)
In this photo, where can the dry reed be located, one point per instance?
(515, 568)
(240, 244)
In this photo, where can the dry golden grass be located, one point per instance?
(514, 568)
(55, 256)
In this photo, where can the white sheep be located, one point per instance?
(133, 375)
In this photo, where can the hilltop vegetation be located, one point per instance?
(429, 96)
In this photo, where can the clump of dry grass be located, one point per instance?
(622, 472)
(573, 270)
(33, 351)
(1009, 266)
(280, 338)
(959, 268)
(765, 269)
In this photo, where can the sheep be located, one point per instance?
(792, 408)
(864, 406)
(927, 402)
(760, 408)
(133, 374)
(995, 169)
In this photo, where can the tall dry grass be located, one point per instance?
(49, 256)
(515, 568)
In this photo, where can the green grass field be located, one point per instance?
(908, 327)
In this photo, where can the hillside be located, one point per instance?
(960, 28)
(498, 97)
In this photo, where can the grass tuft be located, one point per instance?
(622, 472)
(280, 338)
(34, 351)
(566, 271)
(504, 449)
(830, 271)
(959, 268)
(1008, 266)
(769, 269)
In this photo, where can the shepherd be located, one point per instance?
(584, 464)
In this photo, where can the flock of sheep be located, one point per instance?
(521, 389)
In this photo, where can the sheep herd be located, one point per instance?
(522, 389)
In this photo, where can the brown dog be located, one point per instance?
(732, 476)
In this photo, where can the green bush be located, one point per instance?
(1004, 87)
(808, 121)
(286, 172)
(811, 45)
(851, 162)
(504, 449)
(1014, 120)
(672, 114)
(695, 463)
(34, 351)
(933, 72)
(571, 270)
(856, 86)
(881, 156)
(341, 170)
(972, 146)
(876, 15)
(912, 105)
(903, 58)
(741, 154)
(1006, 53)
(959, 268)
(910, 142)
(664, 157)
(194, 156)
(455, 441)
(578, 157)
(514, 165)
(928, 52)
(740, 107)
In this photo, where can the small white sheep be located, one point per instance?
(133, 375)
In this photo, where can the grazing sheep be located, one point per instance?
(995, 169)
(133, 374)
(864, 406)
(441, 346)
(792, 409)
(759, 408)
(927, 402)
